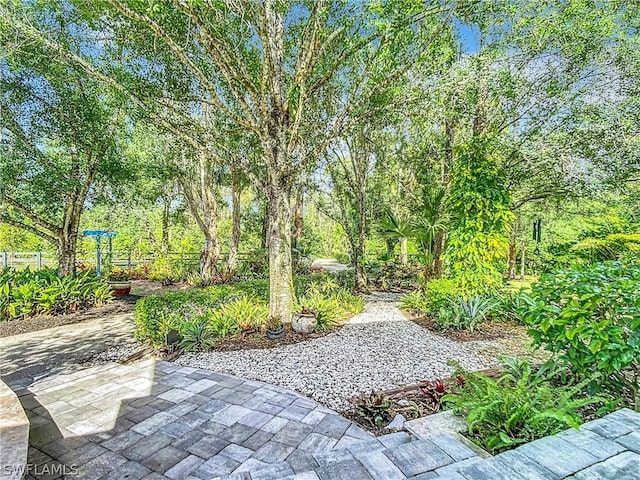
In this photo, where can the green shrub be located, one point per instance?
(510, 305)
(168, 270)
(330, 303)
(518, 407)
(393, 276)
(437, 294)
(153, 312)
(246, 312)
(343, 258)
(590, 318)
(239, 307)
(612, 247)
(26, 293)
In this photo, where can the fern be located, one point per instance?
(520, 406)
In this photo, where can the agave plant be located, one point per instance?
(465, 313)
(475, 309)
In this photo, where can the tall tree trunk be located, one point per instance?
(522, 261)
(201, 198)
(359, 250)
(233, 261)
(277, 144)
(298, 218)
(68, 234)
(404, 256)
(264, 241)
(280, 264)
(438, 250)
(513, 252)
(211, 252)
(67, 252)
(164, 242)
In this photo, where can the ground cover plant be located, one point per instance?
(450, 306)
(27, 293)
(205, 314)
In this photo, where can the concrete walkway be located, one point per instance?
(158, 420)
(329, 264)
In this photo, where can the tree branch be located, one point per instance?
(5, 218)
(29, 214)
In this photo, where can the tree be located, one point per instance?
(265, 68)
(350, 166)
(60, 140)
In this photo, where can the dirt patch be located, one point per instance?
(494, 339)
(118, 306)
(258, 340)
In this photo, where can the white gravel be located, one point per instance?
(377, 349)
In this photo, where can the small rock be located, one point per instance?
(304, 323)
(397, 423)
(404, 403)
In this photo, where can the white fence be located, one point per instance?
(39, 260)
(33, 260)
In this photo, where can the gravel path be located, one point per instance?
(378, 349)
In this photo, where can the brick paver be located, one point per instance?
(171, 421)
(34, 353)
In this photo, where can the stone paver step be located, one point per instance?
(395, 456)
(613, 453)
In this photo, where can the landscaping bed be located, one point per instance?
(236, 316)
(257, 340)
(484, 331)
(583, 317)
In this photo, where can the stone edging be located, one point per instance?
(14, 435)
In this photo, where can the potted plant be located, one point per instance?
(119, 282)
(305, 321)
(275, 328)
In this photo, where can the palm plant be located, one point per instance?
(432, 222)
(398, 227)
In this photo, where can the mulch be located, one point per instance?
(411, 401)
(484, 331)
(258, 340)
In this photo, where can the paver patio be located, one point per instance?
(157, 418)
(31, 354)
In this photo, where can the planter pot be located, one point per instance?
(120, 288)
(273, 334)
(304, 322)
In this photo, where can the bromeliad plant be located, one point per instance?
(197, 336)
(375, 408)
